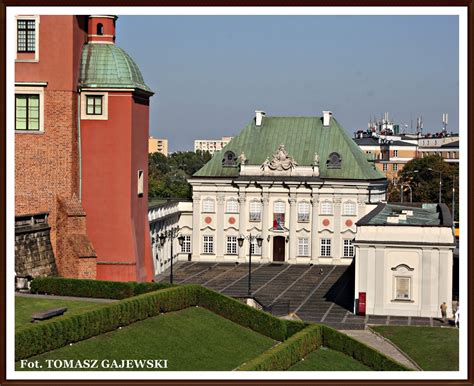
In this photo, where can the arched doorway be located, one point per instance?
(278, 248)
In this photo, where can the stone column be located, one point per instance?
(196, 245)
(293, 238)
(265, 226)
(337, 241)
(220, 242)
(243, 216)
(314, 230)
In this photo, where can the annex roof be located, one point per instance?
(422, 215)
(302, 137)
(108, 66)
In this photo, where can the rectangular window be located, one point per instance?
(94, 104)
(395, 153)
(26, 35)
(208, 205)
(303, 212)
(255, 249)
(384, 167)
(326, 207)
(232, 206)
(349, 208)
(348, 248)
(303, 247)
(27, 112)
(255, 211)
(402, 288)
(325, 247)
(140, 183)
(279, 207)
(231, 245)
(208, 245)
(186, 247)
(395, 167)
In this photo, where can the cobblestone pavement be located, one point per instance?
(316, 293)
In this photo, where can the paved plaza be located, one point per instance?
(316, 293)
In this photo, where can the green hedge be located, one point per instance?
(92, 288)
(359, 351)
(53, 334)
(259, 321)
(288, 353)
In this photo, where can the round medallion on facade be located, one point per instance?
(349, 223)
(208, 220)
(326, 222)
(231, 220)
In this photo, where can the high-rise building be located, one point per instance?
(211, 145)
(158, 145)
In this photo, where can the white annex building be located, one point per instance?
(303, 186)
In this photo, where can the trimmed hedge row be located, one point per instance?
(92, 288)
(288, 353)
(259, 321)
(53, 334)
(359, 351)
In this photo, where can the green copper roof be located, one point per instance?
(302, 137)
(108, 66)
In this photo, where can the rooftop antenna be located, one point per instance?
(445, 122)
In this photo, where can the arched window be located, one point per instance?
(208, 205)
(100, 29)
(232, 206)
(279, 207)
(326, 207)
(303, 211)
(349, 208)
(255, 210)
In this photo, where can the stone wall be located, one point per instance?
(33, 251)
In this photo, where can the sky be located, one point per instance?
(210, 73)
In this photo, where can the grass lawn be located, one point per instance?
(26, 306)
(325, 359)
(433, 348)
(190, 339)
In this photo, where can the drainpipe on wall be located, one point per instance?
(79, 147)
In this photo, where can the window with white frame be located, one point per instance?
(349, 208)
(303, 211)
(186, 247)
(326, 207)
(348, 248)
(254, 248)
(395, 153)
(278, 207)
(402, 288)
(208, 244)
(255, 210)
(208, 205)
(325, 247)
(303, 246)
(395, 167)
(384, 167)
(231, 245)
(232, 206)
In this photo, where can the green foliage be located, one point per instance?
(286, 354)
(52, 334)
(326, 359)
(240, 313)
(359, 351)
(92, 288)
(168, 175)
(425, 182)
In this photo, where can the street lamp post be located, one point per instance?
(250, 238)
(171, 234)
(440, 182)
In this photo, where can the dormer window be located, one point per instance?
(100, 29)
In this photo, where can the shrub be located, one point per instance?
(92, 288)
(288, 353)
(359, 351)
(53, 334)
(238, 312)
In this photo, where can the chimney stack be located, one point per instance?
(259, 117)
(327, 118)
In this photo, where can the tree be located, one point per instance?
(423, 176)
(168, 175)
